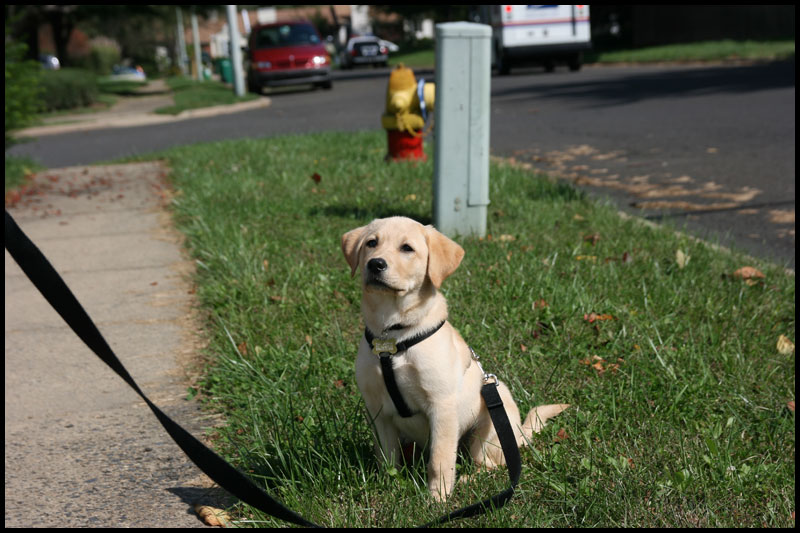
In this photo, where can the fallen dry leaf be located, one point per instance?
(593, 317)
(242, 348)
(601, 365)
(592, 258)
(681, 258)
(785, 346)
(212, 516)
(539, 304)
(748, 272)
(790, 405)
(592, 238)
(316, 177)
(778, 216)
(13, 197)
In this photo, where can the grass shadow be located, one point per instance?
(352, 212)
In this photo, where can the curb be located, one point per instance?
(126, 121)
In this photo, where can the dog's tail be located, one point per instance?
(538, 416)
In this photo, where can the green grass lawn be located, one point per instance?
(17, 170)
(680, 414)
(702, 51)
(193, 94)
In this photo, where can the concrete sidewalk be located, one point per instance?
(81, 448)
(138, 110)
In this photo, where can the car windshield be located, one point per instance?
(286, 35)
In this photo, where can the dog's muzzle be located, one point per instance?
(377, 265)
(375, 270)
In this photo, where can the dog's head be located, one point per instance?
(400, 255)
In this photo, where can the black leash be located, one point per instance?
(46, 279)
(42, 274)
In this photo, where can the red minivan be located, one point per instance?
(287, 53)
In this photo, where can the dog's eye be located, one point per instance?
(406, 248)
(372, 243)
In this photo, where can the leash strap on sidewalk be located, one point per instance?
(45, 278)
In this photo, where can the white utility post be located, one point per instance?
(181, 41)
(246, 21)
(461, 160)
(236, 51)
(198, 57)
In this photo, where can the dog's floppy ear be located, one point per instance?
(351, 246)
(444, 256)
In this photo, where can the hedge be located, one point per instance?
(68, 88)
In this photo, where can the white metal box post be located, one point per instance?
(461, 160)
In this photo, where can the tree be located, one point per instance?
(437, 12)
(21, 87)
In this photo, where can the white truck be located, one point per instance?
(536, 34)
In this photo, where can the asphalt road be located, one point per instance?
(708, 148)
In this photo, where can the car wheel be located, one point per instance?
(253, 87)
(503, 66)
(575, 62)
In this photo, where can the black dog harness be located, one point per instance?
(385, 349)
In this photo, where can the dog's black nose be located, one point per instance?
(376, 265)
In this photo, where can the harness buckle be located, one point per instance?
(486, 377)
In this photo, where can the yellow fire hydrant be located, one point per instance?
(409, 105)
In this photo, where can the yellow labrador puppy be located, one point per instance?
(403, 264)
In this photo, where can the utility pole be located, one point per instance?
(461, 160)
(236, 51)
(198, 52)
(181, 42)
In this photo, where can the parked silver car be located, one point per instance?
(365, 51)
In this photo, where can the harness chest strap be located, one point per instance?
(385, 349)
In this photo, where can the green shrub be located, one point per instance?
(21, 89)
(68, 89)
(103, 58)
(100, 60)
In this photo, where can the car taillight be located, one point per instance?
(354, 52)
(384, 50)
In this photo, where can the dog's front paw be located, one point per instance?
(438, 495)
(440, 488)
